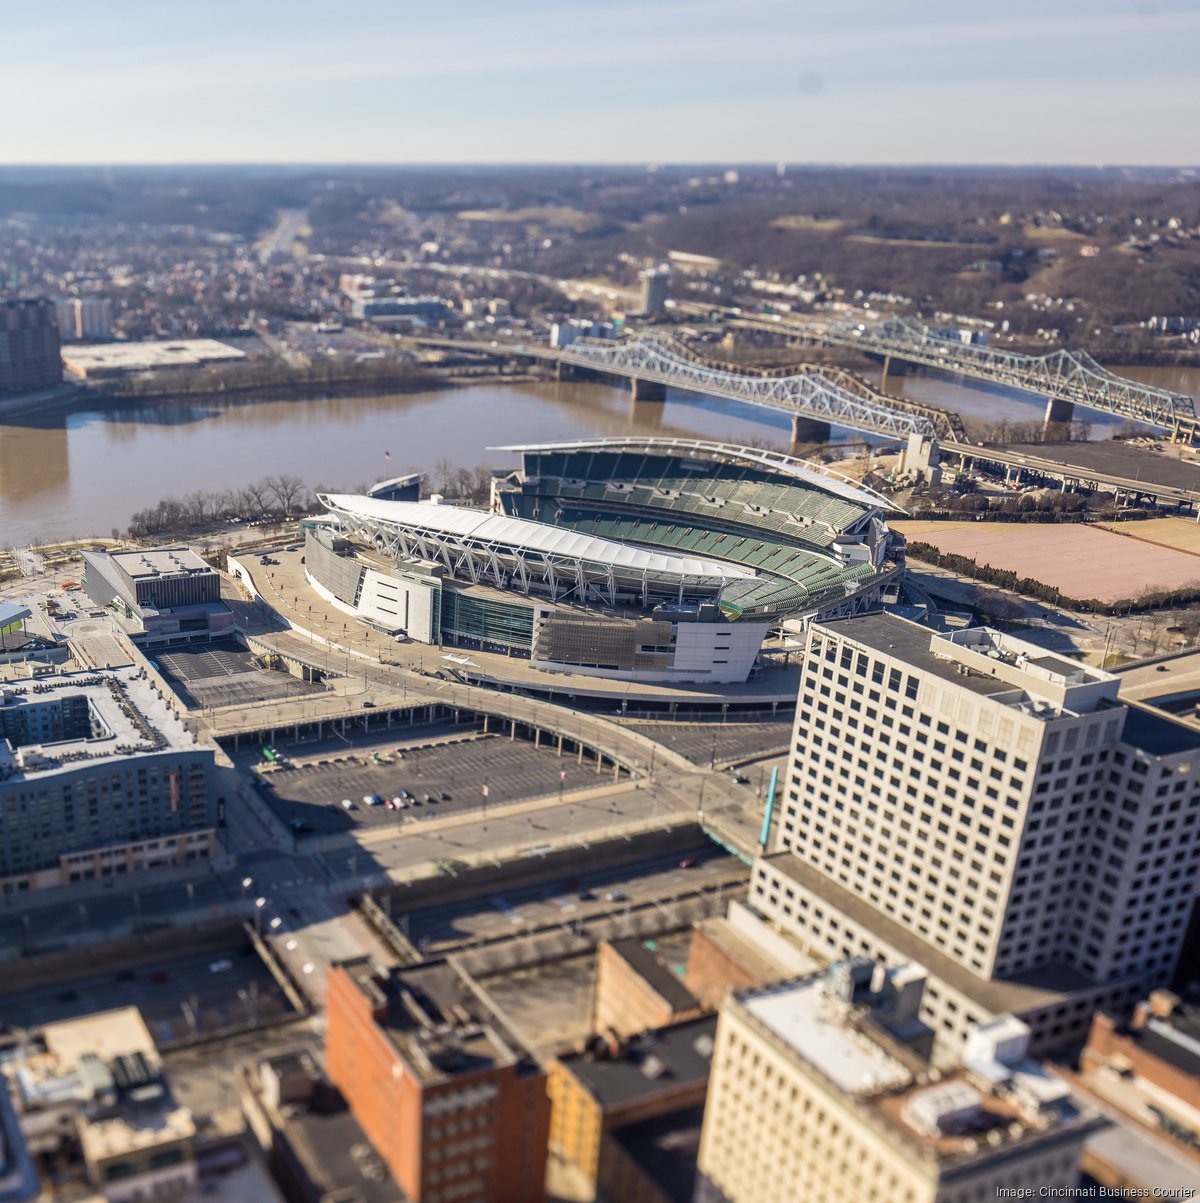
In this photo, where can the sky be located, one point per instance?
(574, 81)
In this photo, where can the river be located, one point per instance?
(86, 469)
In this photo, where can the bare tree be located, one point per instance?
(285, 489)
(444, 468)
(259, 496)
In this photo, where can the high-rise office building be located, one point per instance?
(82, 318)
(654, 292)
(990, 810)
(29, 350)
(820, 1092)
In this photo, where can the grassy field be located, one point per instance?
(803, 221)
(1179, 534)
(546, 215)
(1082, 562)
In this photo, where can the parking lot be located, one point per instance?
(223, 673)
(308, 794)
(197, 994)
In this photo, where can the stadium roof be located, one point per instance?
(817, 475)
(480, 526)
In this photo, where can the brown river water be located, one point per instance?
(86, 469)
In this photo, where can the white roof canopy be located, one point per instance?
(498, 529)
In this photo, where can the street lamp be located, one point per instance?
(259, 903)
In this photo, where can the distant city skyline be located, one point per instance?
(669, 81)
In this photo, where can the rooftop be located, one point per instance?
(161, 561)
(126, 718)
(104, 1063)
(481, 527)
(1157, 734)
(986, 662)
(660, 979)
(815, 1027)
(113, 358)
(663, 1061)
(435, 1022)
(941, 1117)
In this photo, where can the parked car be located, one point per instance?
(347, 804)
(616, 896)
(371, 799)
(688, 862)
(221, 966)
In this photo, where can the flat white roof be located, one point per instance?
(815, 1027)
(132, 357)
(462, 523)
(160, 561)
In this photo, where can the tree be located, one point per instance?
(258, 495)
(285, 489)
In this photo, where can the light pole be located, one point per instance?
(259, 903)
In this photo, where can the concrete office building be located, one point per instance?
(29, 347)
(83, 317)
(167, 595)
(98, 777)
(654, 292)
(92, 1098)
(821, 1093)
(990, 810)
(454, 1106)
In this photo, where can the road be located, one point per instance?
(614, 891)
(176, 997)
(280, 239)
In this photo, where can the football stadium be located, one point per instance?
(656, 560)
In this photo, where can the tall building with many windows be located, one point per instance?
(990, 810)
(820, 1094)
(29, 350)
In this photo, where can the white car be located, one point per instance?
(371, 799)
(220, 966)
(399, 804)
(347, 804)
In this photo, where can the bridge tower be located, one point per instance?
(1058, 413)
(809, 430)
(647, 390)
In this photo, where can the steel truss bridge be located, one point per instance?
(807, 395)
(1067, 377)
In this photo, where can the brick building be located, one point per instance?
(457, 1110)
(634, 992)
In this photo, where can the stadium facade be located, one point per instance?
(657, 560)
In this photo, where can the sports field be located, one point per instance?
(1082, 562)
(1180, 534)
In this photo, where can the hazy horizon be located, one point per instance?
(539, 83)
